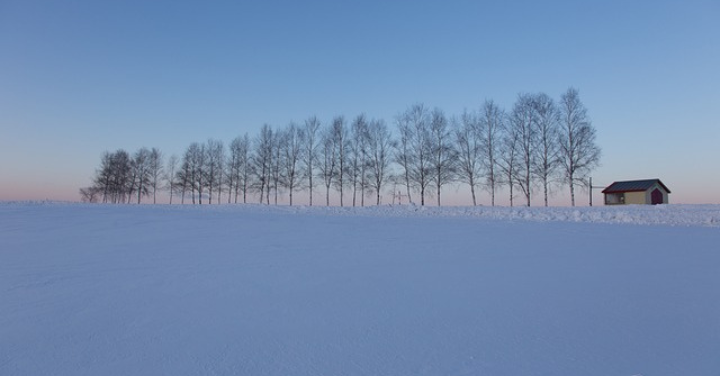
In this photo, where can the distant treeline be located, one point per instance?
(537, 145)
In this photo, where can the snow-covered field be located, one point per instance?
(255, 290)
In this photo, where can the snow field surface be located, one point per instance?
(256, 290)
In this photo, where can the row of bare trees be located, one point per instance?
(123, 178)
(539, 144)
(536, 146)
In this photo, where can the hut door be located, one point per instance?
(656, 197)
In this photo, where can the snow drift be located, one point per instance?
(255, 290)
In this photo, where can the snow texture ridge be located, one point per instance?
(671, 215)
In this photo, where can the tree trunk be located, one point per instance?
(341, 193)
(472, 191)
(354, 192)
(438, 194)
(511, 195)
(407, 185)
(492, 193)
(311, 185)
(267, 195)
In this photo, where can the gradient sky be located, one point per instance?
(78, 78)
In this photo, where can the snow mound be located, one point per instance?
(670, 215)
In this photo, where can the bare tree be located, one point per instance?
(579, 154)
(403, 152)
(468, 140)
(414, 151)
(546, 159)
(291, 153)
(123, 177)
(309, 136)
(509, 158)
(422, 170)
(104, 176)
(379, 151)
(246, 168)
(156, 168)
(193, 175)
(340, 139)
(279, 138)
(86, 196)
(262, 162)
(442, 151)
(232, 168)
(215, 157)
(141, 173)
(184, 177)
(491, 124)
(357, 171)
(522, 122)
(200, 164)
(328, 161)
(171, 172)
(90, 194)
(239, 168)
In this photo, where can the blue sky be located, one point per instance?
(78, 78)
